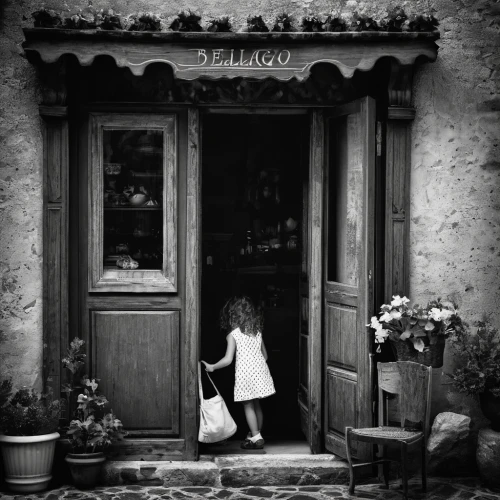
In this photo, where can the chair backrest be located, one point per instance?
(413, 383)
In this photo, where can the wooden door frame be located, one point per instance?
(315, 254)
(315, 277)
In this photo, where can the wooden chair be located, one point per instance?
(412, 382)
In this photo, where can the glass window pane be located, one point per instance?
(133, 199)
(345, 190)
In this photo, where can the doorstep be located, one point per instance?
(231, 471)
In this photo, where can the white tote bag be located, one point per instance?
(216, 423)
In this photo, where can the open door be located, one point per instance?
(348, 270)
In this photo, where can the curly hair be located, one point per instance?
(240, 312)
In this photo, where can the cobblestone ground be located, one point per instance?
(439, 489)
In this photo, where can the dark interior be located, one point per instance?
(254, 168)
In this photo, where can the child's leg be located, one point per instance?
(258, 412)
(251, 416)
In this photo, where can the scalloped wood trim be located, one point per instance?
(236, 54)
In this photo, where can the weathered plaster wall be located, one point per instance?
(20, 208)
(455, 203)
(455, 207)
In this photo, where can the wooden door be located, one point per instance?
(348, 270)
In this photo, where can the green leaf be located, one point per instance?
(418, 331)
(429, 326)
(418, 344)
(405, 335)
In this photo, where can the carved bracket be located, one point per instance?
(399, 92)
(53, 80)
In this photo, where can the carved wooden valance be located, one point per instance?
(281, 56)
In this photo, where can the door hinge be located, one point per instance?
(370, 275)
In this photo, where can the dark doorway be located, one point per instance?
(253, 171)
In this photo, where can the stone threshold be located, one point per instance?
(230, 471)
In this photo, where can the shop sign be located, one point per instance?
(229, 62)
(240, 58)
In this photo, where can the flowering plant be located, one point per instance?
(95, 426)
(422, 326)
(479, 354)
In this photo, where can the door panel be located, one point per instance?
(340, 386)
(349, 209)
(341, 344)
(136, 358)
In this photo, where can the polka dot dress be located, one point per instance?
(253, 378)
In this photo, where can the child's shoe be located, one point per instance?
(253, 442)
(251, 445)
(249, 436)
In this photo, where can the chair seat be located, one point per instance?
(388, 433)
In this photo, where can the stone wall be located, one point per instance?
(455, 208)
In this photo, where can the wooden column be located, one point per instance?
(54, 116)
(315, 272)
(193, 284)
(398, 169)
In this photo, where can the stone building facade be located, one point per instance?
(455, 175)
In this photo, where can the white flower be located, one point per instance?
(395, 315)
(440, 314)
(381, 335)
(446, 314)
(93, 384)
(374, 323)
(399, 301)
(386, 317)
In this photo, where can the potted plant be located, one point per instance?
(416, 333)
(94, 427)
(28, 421)
(478, 373)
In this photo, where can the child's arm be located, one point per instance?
(227, 359)
(263, 349)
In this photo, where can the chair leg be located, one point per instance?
(404, 465)
(348, 435)
(424, 466)
(385, 467)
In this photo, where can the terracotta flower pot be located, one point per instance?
(28, 461)
(85, 468)
(490, 406)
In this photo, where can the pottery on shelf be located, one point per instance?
(138, 199)
(127, 262)
(112, 168)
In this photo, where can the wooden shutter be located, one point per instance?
(55, 242)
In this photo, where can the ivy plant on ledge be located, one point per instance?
(396, 20)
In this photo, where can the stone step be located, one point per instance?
(230, 471)
(280, 470)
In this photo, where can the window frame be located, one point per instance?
(136, 281)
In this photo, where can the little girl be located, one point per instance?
(253, 380)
